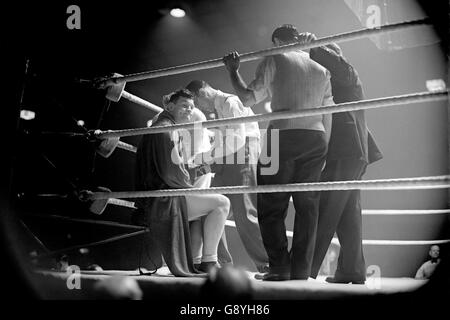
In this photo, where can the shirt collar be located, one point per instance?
(219, 99)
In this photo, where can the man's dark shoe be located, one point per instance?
(299, 277)
(260, 276)
(262, 270)
(270, 276)
(342, 280)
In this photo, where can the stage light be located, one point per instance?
(80, 123)
(177, 12)
(436, 85)
(27, 114)
(84, 250)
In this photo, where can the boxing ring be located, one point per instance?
(294, 289)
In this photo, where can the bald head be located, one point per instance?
(434, 251)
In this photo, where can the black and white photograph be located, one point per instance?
(227, 158)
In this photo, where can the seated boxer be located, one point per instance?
(200, 175)
(161, 164)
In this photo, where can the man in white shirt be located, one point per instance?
(236, 153)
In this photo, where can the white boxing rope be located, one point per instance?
(251, 56)
(116, 92)
(389, 212)
(366, 212)
(335, 241)
(405, 100)
(400, 242)
(417, 183)
(141, 102)
(406, 212)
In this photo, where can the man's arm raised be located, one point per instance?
(232, 64)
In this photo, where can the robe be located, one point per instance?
(166, 217)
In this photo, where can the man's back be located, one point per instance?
(299, 83)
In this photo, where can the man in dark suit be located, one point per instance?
(350, 150)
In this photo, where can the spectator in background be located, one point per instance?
(427, 269)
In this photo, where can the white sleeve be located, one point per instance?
(261, 85)
(235, 134)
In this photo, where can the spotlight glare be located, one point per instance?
(80, 123)
(435, 85)
(177, 13)
(84, 250)
(27, 114)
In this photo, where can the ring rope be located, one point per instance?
(209, 64)
(290, 234)
(140, 101)
(341, 107)
(406, 212)
(400, 242)
(369, 212)
(433, 182)
(366, 212)
(143, 230)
